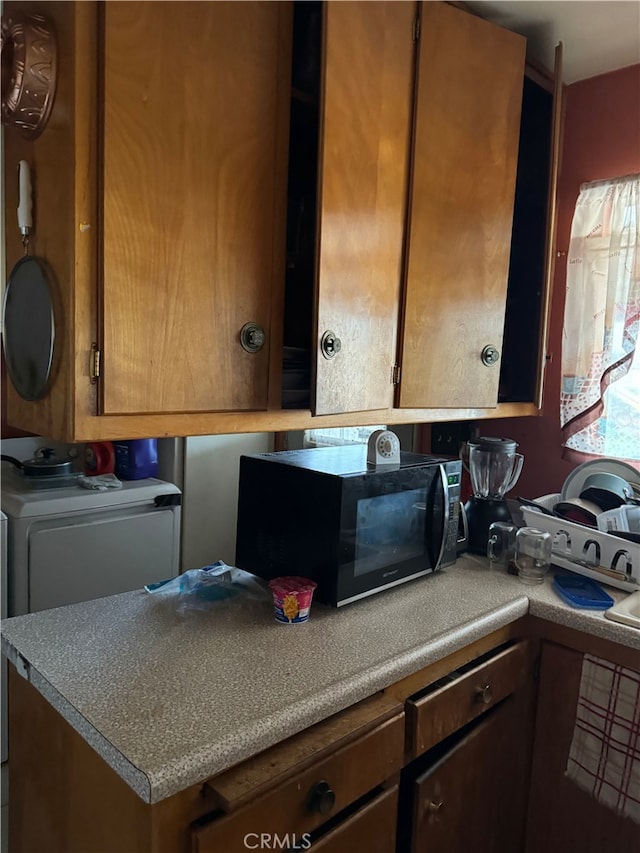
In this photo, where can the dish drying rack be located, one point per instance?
(587, 551)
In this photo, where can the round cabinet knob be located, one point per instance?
(330, 344)
(321, 798)
(252, 337)
(432, 810)
(484, 694)
(490, 355)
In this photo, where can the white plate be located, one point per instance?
(575, 481)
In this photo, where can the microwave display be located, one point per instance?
(324, 513)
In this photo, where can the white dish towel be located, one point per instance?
(604, 758)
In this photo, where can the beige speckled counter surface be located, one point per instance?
(169, 699)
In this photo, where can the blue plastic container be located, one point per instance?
(582, 592)
(136, 459)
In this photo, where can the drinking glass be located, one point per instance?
(533, 554)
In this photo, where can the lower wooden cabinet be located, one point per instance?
(368, 828)
(473, 796)
(334, 786)
(465, 784)
(439, 763)
(309, 784)
(562, 816)
(372, 829)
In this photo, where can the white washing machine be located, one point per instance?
(72, 544)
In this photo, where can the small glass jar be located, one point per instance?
(533, 554)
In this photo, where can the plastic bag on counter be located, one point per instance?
(100, 482)
(200, 589)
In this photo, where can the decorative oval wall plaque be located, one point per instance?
(28, 54)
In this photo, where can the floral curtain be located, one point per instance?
(602, 310)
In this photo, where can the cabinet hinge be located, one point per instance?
(94, 364)
(395, 374)
(416, 29)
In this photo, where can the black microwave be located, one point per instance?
(326, 514)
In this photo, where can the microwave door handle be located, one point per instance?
(445, 514)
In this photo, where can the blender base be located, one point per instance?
(481, 513)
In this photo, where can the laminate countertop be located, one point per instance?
(170, 698)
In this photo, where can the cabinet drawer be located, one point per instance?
(464, 695)
(372, 829)
(303, 797)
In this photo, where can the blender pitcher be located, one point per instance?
(494, 466)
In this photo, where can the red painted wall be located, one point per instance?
(601, 140)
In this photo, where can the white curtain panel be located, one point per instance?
(602, 310)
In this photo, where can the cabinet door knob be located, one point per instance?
(484, 694)
(489, 355)
(321, 798)
(330, 344)
(435, 807)
(252, 337)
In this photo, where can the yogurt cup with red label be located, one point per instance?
(292, 598)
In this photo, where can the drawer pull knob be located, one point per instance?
(321, 798)
(484, 694)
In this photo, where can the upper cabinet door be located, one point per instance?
(524, 348)
(550, 253)
(194, 138)
(365, 130)
(468, 101)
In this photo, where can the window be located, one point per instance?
(600, 395)
(338, 435)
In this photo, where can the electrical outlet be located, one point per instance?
(446, 438)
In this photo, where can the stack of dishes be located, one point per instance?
(598, 473)
(593, 521)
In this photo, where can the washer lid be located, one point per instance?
(19, 501)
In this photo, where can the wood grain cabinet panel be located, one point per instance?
(192, 202)
(465, 148)
(372, 829)
(562, 816)
(531, 267)
(365, 132)
(464, 695)
(309, 796)
(473, 798)
(167, 229)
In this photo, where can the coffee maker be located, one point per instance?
(494, 468)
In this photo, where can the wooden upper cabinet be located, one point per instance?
(467, 119)
(194, 138)
(365, 126)
(531, 267)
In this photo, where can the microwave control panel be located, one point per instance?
(453, 474)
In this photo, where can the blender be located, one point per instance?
(494, 468)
